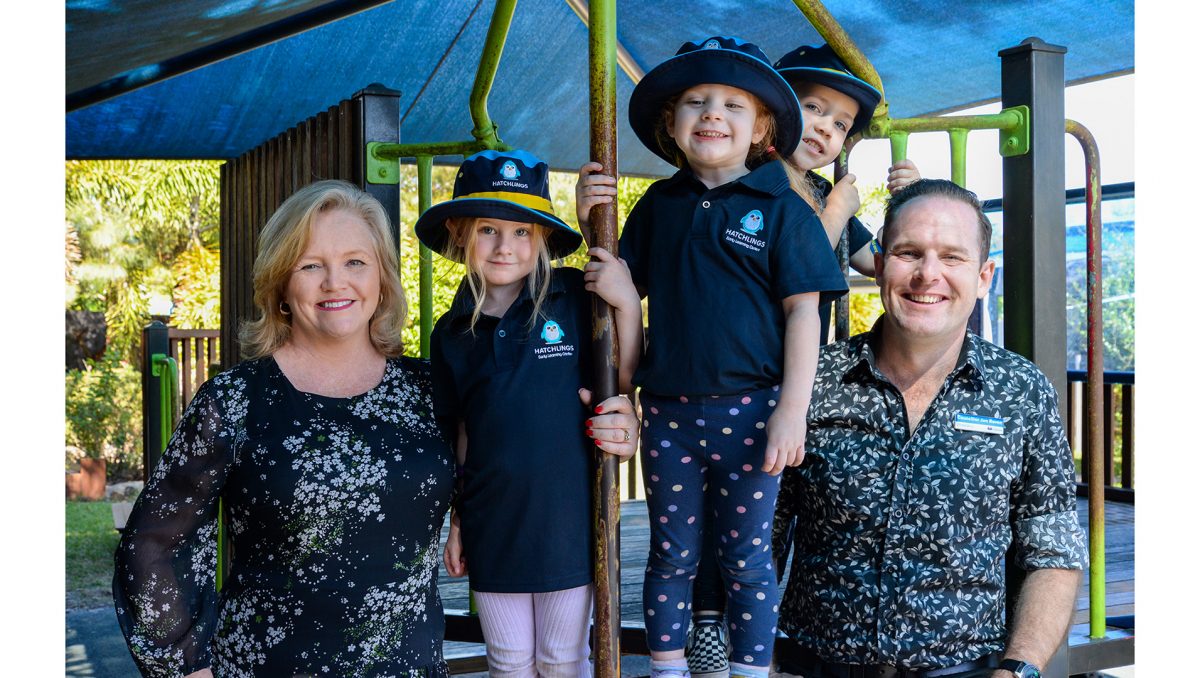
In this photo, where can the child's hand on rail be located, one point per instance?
(902, 174)
(592, 189)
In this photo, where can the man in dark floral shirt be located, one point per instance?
(929, 451)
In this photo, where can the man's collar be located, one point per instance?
(864, 350)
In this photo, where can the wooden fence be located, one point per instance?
(329, 145)
(1118, 444)
(195, 351)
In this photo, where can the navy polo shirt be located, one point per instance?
(526, 502)
(859, 237)
(716, 265)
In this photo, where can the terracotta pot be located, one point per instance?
(88, 483)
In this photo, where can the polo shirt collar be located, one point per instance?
(464, 302)
(863, 348)
(769, 179)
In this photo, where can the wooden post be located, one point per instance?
(606, 509)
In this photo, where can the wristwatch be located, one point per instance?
(1020, 669)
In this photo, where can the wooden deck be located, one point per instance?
(635, 539)
(467, 658)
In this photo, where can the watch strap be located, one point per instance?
(1020, 668)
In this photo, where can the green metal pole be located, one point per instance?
(899, 146)
(844, 47)
(958, 156)
(606, 506)
(424, 201)
(485, 75)
(1097, 625)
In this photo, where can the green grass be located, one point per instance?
(91, 541)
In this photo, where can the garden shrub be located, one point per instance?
(104, 415)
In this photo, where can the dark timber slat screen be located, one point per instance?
(329, 145)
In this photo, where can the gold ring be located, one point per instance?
(626, 434)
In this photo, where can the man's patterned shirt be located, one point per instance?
(900, 540)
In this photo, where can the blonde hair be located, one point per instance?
(282, 243)
(761, 152)
(460, 246)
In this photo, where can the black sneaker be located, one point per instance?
(707, 649)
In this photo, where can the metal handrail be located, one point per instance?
(485, 130)
(166, 369)
(1095, 385)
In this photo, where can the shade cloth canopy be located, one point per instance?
(932, 56)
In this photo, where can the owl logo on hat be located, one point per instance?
(552, 332)
(752, 223)
(509, 170)
(712, 44)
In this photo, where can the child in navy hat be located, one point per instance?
(734, 264)
(834, 105)
(511, 361)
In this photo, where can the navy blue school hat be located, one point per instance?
(509, 185)
(717, 60)
(822, 66)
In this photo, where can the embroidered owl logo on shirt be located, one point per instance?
(552, 332)
(752, 223)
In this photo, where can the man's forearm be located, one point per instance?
(1043, 615)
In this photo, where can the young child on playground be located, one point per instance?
(834, 105)
(734, 264)
(510, 360)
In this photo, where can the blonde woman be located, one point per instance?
(335, 479)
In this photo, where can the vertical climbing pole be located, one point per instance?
(1095, 382)
(424, 202)
(606, 510)
(1035, 249)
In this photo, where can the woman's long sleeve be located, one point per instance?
(164, 583)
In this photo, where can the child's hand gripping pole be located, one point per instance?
(592, 188)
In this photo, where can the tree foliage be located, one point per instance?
(142, 229)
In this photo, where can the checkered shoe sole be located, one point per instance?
(707, 655)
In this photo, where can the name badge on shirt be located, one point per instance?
(975, 422)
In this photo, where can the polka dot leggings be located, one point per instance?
(714, 445)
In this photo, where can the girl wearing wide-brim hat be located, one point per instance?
(511, 366)
(734, 263)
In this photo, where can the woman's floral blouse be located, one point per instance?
(334, 508)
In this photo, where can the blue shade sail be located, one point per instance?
(931, 55)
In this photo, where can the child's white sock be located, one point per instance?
(745, 671)
(670, 668)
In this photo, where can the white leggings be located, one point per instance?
(537, 634)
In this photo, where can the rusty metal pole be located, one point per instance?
(606, 508)
(1095, 382)
(842, 305)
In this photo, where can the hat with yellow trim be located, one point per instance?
(822, 66)
(509, 185)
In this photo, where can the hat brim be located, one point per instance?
(432, 232)
(721, 67)
(862, 92)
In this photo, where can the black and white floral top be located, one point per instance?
(900, 540)
(334, 509)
